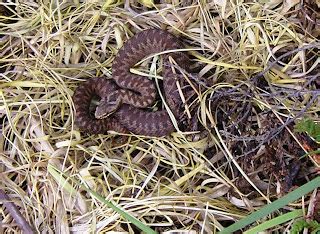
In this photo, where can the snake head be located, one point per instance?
(107, 107)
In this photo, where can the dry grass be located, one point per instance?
(245, 155)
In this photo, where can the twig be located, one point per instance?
(15, 213)
(283, 56)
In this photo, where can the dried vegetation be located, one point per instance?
(258, 68)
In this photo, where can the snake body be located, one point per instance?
(125, 96)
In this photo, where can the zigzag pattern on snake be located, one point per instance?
(125, 95)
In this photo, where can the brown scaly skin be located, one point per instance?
(82, 98)
(120, 106)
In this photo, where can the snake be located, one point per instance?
(126, 98)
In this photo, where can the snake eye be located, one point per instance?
(106, 108)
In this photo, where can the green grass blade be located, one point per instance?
(124, 214)
(275, 221)
(62, 177)
(285, 200)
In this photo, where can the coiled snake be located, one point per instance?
(125, 95)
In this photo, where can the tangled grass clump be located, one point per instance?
(258, 68)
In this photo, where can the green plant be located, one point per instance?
(299, 225)
(310, 127)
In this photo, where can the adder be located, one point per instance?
(125, 97)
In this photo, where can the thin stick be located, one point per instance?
(15, 213)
